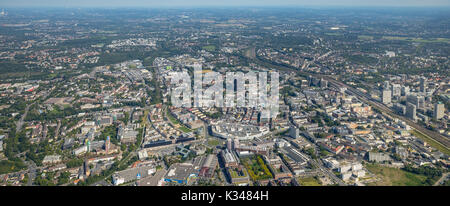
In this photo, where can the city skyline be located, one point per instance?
(229, 96)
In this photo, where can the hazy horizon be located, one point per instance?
(230, 3)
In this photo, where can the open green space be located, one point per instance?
(256, 167)
(419, 40)
(365, 37)
(176, 122)
(213, 142)
(7, 166)
(209, 48)
(395, 177)
(309, 181)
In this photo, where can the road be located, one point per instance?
(19, 123)
(328, 172)
(441, 180)
(31, 172)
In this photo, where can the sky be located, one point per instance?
(232, 3)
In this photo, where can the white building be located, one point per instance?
(51, 159)
(439, 111)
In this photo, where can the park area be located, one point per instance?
(176, 123)
(257, 169)
(395, 177)
(309, 181)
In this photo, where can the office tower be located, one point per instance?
(396, 90)
(411, 111)
(386, 96)
(310, 80)
(323, 83)
(386, 85)
(423, 84)
(439, 110)
(400, 109)
(417, 100)
(421, 102)
(229, 144)
(87, 170)
(294, 132)
(88, 145)
(405, 91)
(236, 143)
(107, 144)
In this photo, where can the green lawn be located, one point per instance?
(334, 34)
(309, 181)
(419, 40)
(209, 48)
(184, 129)
(172, 119)
(176, 122)
(213, 142)
(7, 166)
(365, 37)
(395, 177)
(256, 168)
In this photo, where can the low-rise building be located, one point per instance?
(132, 174)
(51, 159)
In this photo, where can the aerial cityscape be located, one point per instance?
(355, 96)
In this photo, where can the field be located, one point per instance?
(309, 181)
(411, 39)
(365, 37)
(334, 34)
(209, 48)
(418, 40)
(394, 176)
(213, 142)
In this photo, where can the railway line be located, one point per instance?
(436, 137)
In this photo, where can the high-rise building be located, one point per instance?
(229, 144)
(236, 143)
(87, 170)
(107, 144)
(405, 91)
(396, 90)
(88, 145)
(386, 85)
(399, 108)
(411, 111)
(386, 96)
(439, 110)
(294, 132)
(417, 100)
(323, 83)
(423, 84)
